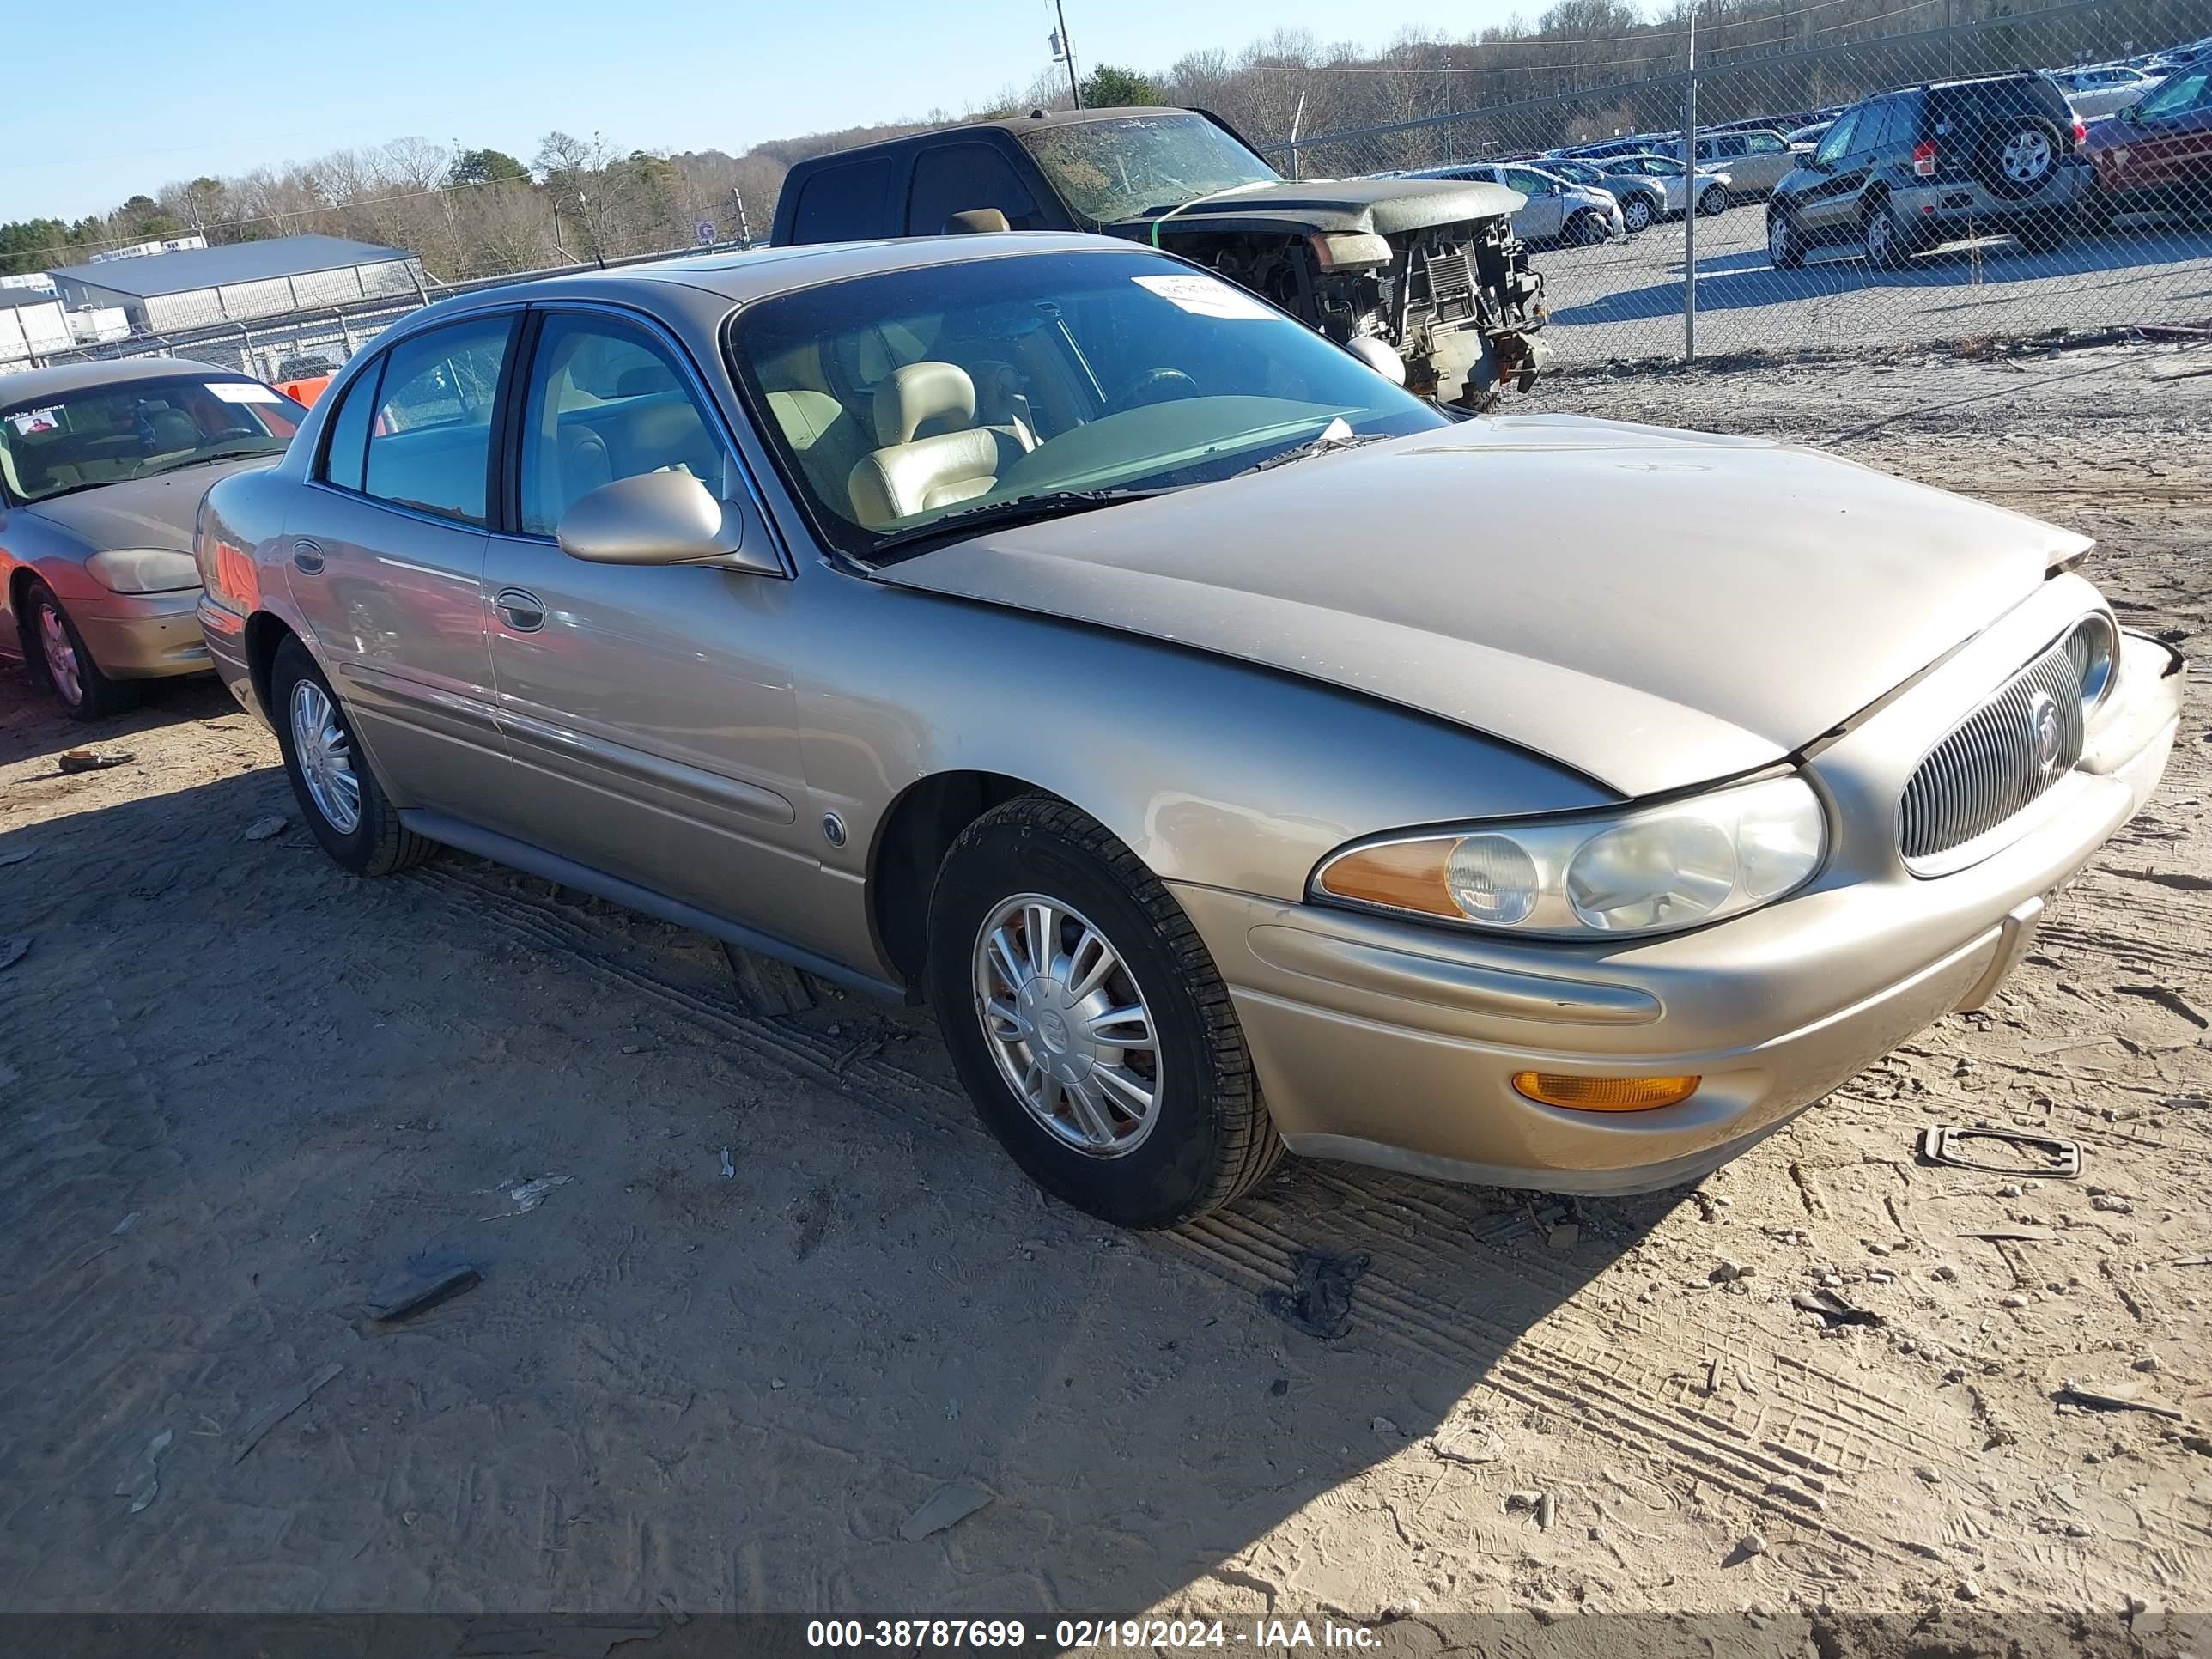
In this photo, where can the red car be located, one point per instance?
(2157, 154)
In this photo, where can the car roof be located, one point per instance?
(59, 379)
(756, 273)
(1032, 121)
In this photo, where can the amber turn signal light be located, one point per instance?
(1604, 1094)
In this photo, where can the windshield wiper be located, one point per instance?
(228, 452)
(1334, 436)
(1026, 509)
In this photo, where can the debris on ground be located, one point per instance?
(124, 1225)
(2116, 1397)
(419, 1293)
(948, 1506)
(1460, 1444)
(277, 1409)
(267, 828)
(1751, 1543)
(1832, 1308)
(17, 855)
(14, 950)
(92, 760)
(729, 1167)
(1947, 1144)
(527, 1195)
(1319, 1301)
(142, 1485)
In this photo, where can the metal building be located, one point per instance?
(166, 293)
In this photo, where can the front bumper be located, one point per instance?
(1394, 1043)
(137, 636)
(224, 630)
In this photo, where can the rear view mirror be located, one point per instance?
(659, 518)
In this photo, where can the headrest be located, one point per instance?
(937, 395)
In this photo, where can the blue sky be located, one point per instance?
(129, 93)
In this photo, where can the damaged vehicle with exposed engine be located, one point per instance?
(1423, 278)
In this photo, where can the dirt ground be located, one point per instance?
(754, 1292)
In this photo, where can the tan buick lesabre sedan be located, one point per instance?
(1237, 752)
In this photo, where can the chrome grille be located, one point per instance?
(1995, 762)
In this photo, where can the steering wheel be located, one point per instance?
(1153, 386)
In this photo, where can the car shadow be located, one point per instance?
(1747, 279)
(755, 1294)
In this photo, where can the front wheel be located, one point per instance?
(1714, 199)
(58, 654)
(1587, 229)
(1636, 214)
(1088, 1022)
(1786, 243)
(345, 806)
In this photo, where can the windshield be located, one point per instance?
(105, 434)
(2188, 90)
(897, 402)
(1137, 164)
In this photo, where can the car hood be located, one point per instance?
(1382, 207)
(156, 512)
(1655, 608)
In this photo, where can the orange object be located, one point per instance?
(1604, 1094)
(304, 391)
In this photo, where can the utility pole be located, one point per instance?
(744, 231)
(1690, 200)
(1067, 51)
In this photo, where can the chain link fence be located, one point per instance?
(1845, 197)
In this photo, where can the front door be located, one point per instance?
(648, 708)
(387, 552)
(1831, 204)
(1541, 220)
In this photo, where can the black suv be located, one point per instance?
(1904, 170)
(1427, 270)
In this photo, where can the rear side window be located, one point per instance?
(844, 203)
(955, 177)
(1979, 102)
(345, 455)
(429, 446)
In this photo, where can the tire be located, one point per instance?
(1637, 213)
(1785, 242)
(1888, 246)
(375, 842)
(1714, 200)
(2020, 155)
(1205, 1138)
(59, 659)
(1586, 228)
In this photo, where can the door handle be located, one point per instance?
(307, 556)
(522, 612)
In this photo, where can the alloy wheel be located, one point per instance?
(1636, 213)
(1069, 1027)
(1880, 240)
(60, 653)
(325, 756)
(2026, 156)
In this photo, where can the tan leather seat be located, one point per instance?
(931, 451)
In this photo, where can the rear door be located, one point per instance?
(844, 201)
(648, 708)
(387, 549)
(958, 177)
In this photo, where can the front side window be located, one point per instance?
(1763, 144)
(1836, 145)
(606, 401)
(1528, 183)
(72, 440)
(901, 404)
(1135, 165)
(429, 442)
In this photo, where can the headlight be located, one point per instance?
(146, 570)
(2089, 648)
(1647, 870)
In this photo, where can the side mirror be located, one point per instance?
(659, 517)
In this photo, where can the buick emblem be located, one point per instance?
(2050, 733)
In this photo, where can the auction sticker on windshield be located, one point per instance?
(1203, 296)
(28, 420)
(245, 392)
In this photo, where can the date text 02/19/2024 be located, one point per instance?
(1081, 1633)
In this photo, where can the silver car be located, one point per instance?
(102, 467)
(1230, 745)
(1553, 209)
(1755, 160)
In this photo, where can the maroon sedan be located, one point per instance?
(2157, 154)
